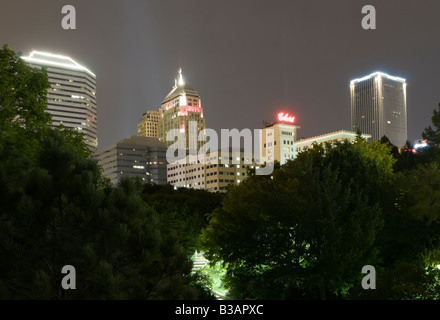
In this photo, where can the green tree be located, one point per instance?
(22, 94)
(114, 240)
(394, 150)
(432, 134)
(183, 211)
(23, 122)
(133, 258)
(41, 228)
(307, 230)
(409, 242)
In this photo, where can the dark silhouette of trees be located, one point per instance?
(56, 209)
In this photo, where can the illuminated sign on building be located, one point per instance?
(284, 117)
(420, 144)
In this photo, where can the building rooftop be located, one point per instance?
(335, 133)
(136, 141)
(54, 60)
(180, 87)
(378, 73)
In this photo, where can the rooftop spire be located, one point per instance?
(180, 81)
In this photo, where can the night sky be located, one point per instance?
(248, 59)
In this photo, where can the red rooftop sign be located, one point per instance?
(284, 117)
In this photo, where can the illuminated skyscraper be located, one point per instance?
(71, 100)
(378, 107)
(181, 108)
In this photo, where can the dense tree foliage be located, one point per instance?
(183, 210)
(432, 135)
(307, 230)
(56, 209)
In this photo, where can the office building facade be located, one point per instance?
(379, 107)
(71, 100)
(278, 138)
(136, 156)
(214, 172)
(149, 125)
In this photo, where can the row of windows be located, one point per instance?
(221, 165)
(208, 174)
(87, 79)
(207, 182)
(287, 142)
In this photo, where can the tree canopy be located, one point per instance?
(56, 209)
(306, 230)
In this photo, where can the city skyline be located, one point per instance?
(273, 188)
(248, 60)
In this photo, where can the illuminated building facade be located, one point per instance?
(304, 144)
(181, 107)
(136, 156)
(149, 125)
(215, 172)
(277, 139)
(71, 100)
(378, 107)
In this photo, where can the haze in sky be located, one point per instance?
(248, 59)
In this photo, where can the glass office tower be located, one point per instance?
(378, 107)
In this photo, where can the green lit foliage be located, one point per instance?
(307, 230)
(183, 211)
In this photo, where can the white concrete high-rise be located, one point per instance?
(71, 100)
